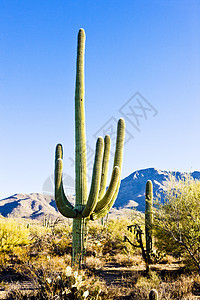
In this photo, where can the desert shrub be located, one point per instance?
(61, 246)
(152, 281)
(117, 227)
(38, 230)
(127, 260)
(61, 241)
(60, 227)
(12, 234)
(68, 284)
(181, 288)
(177, 220)
(96, 231)
(55, 239)
(94, 263)
(144, 285)
(39, 244)
(114, 238)
(109, 239)
(113, 247)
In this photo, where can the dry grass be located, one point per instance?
(128, 260)
(93, 263)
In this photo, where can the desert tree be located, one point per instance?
(177, 219)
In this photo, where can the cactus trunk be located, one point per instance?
(79, 225)
(79, 233)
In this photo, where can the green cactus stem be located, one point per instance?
(99, 201)
(148, 218)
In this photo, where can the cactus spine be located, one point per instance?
(148, 218)
(99, 201)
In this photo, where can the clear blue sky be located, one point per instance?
(146, 46)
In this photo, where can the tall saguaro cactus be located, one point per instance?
(100, 200)
(148, 218)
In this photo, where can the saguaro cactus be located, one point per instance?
(148, 227)
(148, 218)
(99, 201)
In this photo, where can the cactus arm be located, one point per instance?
(101, 208)
(96, 177)
(110, 190)
(62, 203)
(59, 152)
(103, 212)
(58, 175)
(59, 191)
(104, 205)
(118, 155)
(119, 143)
(80, 137)
(105, 164)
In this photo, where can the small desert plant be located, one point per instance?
(94, 263)
(144, 285)
(181, 288)
(124, 260)
(69, 284)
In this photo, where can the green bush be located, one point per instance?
(12, 234)
(177, 220)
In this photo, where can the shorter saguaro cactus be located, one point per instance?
(148, 218)
(148, 226)
(153, 295)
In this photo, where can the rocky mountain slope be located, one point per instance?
(132, 189)
(33, 206)
(131, 194)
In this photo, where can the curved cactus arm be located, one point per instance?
(110, 190)
(62, 203)
(117, 163)
(101, 208)
(58, 175)
(96, 178)
(105, 164)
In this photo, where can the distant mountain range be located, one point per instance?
(131, 194)
(132, 188)
(32, 206)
